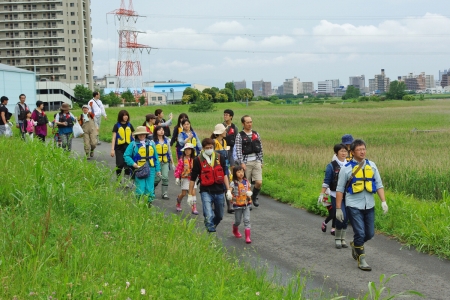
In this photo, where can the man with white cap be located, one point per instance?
(86, 121)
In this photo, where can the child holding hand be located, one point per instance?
(241, 202)
(183, 176)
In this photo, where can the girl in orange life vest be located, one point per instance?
(188, 135)
(241, 202)
(221, 147)
(121, 138)
(29, 125)
(183, 174)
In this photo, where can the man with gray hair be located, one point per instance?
(20, 114)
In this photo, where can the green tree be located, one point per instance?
(351, 93)
(82, 93)
(210, 92)
(142, 100)
(232, 88)
(221, 97)
(244, 94)
(227, 92)
(202, 105)
(397, 89)
(193, 93)
(128, 96)
(112, 99)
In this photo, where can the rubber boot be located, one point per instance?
(247, 236)
(236, 232)
(362, 264)
(165, 196)
(179, 209)
(343, 243)
(354, 255)
(337, 238)
(230, 209)
(194, 209)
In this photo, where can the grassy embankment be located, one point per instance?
(68, 233)
(298, 142)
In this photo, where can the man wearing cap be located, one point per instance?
(86, 120)
(209, 167)
(96, 107)
(5, 115)
(65, 121)
(232, 130)
(249, 154)
(20, 114)
(359, 180)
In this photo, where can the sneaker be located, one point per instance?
(165, 197)
(179, 209)
(324, 227)
(332, 232)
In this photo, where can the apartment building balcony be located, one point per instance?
(27, 10)
(21, 19)
(43, 64)
(27, 1)
(28, 28)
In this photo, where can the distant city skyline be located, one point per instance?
(314, 42)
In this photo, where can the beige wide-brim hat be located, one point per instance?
(219, 129)
(140, 130)
(187, 146)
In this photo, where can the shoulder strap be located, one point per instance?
(353, 174)
(335, 165)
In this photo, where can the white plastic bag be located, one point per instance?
(8, 131)
(77, 130)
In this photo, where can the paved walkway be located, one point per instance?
(288, 240)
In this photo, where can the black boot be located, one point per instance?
(230, 209)
(255, 196)
(362, 264)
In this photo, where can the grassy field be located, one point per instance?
(298, 142)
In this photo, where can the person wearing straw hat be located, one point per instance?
(141, 154)
(65, 121)
(221, 147)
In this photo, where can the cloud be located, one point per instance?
(226, 27)
(239, 43)
(102, 45)
(277, 41)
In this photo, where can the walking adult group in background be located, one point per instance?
(348, 190)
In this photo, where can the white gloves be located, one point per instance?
(173, 167)
(177, 181)
(50, 124)
(7, 125)
(249, 193)
(35, 123)
(10, 124)
(339, 215)
(191, 200)
(229, 196)
(384, 206)
(320, 199)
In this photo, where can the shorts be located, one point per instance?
(184, 183)
(253, 170)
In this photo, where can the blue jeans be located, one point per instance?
(339, 224)
(212, 217)
(363, 223)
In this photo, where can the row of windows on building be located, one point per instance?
(34, 6)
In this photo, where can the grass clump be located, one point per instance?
(68, 232)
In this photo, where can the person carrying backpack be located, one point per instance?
(65, 121)
(41, 119)
(19, 114)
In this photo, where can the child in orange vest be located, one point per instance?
(241, 202)
(183, 175)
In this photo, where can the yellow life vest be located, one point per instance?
(364, 179)
(349, 156)
(218, 146)
(240, 193)
(163, 151)
(150, 128)
(123, 136)
(143, 153)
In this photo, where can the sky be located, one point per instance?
(213, 42)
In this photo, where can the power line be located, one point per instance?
(295, 18)
(409, 53)
(296, 35)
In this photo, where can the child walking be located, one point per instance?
(242, 202)
(29, 124)
(165, 159)
(183, 175)
(142, 156)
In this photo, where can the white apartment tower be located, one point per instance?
(292, 86)
(51, 37)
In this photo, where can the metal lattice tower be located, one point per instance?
(129, 69)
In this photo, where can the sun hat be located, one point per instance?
(347, 139)
(65, 106)
(140, 130)
(85, 106)
(219, 129)
(187, 146)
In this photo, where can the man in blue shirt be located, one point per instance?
(360, 179)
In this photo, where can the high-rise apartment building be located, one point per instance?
(239, 85)
(292, 86)
(325, 87)
(382, 82)
(429, 82)
(358, 82)
(445, 81)
(415, 82)
(307, 87)
(262, 88)
(334, 83)
(372, 85)
(51, 37)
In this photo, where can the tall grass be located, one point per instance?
(298, 142)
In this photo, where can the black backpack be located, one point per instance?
(42, 118)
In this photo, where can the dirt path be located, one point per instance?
(289, 240)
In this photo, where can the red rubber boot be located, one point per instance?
(247, 236)
(236, 232)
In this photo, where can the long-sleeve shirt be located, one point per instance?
(132, 150)
(40, 129)
(96, 106)
(17, 112)
(364, 199)
(241, 158)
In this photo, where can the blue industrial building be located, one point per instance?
(15, 81)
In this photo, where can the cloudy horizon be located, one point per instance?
(258, 40)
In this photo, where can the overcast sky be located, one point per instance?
(275, 40)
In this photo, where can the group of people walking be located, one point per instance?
(348, 191)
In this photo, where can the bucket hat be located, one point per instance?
(347, 139)
(219, 129)
(65, 106)
(187, 146)
(140, 130)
